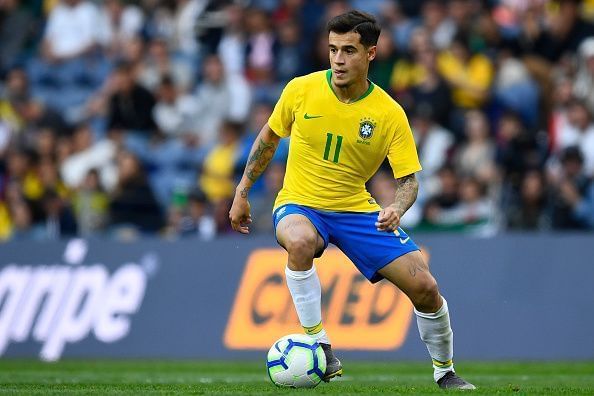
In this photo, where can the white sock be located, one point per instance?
(437, 334)
(307, 297)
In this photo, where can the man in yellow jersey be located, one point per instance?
(342, 127)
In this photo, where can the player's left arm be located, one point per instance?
(407, 188)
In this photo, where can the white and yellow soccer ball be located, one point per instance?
(296, 361)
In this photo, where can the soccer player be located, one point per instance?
(342, 127)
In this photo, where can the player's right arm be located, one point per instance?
(261, 153)
(278, 126)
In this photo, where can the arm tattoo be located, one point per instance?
(259, 160)
(407, 188)
(244, 192)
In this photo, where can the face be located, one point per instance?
(129, 166)
(349, 59)
(470, 191)
(213, 69)
(532, 187)
(578, 116)
(476, 126)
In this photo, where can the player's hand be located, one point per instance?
(239, 215)
(388, 219)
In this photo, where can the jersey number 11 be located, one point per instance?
(329, 138)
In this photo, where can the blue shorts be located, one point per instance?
(356, 236)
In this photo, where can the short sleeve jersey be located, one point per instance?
(336, 147)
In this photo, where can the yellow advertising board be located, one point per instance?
(356, 314)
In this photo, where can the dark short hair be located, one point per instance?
(572, 153)
(197, 195)
(358, 22)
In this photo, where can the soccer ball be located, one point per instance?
(296, 361)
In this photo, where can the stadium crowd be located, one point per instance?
(128, 118)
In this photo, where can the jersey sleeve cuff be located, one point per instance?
(278, 130)
(407, 172)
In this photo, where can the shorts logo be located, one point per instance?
(366, 128)
(400, 237)
(280, 211)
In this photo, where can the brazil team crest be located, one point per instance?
(366, 128)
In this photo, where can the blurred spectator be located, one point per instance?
(133, 206)
(20, 173)
(474, 208)
(83, 155)
(198, 222)
(119, 24)
(399, 26)
(91, 204)
(409, 71)
(231, 47)
(583, 207)
(49, 177)
(59, 221)
(461, 14)
(217, 180)
(514, 89)
(36, 115)
(446, 198)
(289, 52)
(15, 93)
(569, 189)
(72, 31)
(561, 33)
(439, 26)
(210, 24)
(71, 65)
(579, 131)
(469, 74)
(15, 30)
(186, 15)
(380, 70)
(174, 112)
(583, 87)
(21, 221)
(159, 64)
(558, 118)
(476, 156)
(260, 58)
(432, 91)
(130, 105)
(45, 144)
(529, 211)
(219, 97)
(434, 145)
(517, 149)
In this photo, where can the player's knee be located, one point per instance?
(426, 295)
(301, 247)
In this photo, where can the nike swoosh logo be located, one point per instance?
(309, 117)
(403, 241)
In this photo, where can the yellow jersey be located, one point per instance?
(336, 147)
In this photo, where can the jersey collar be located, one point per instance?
(365, 94)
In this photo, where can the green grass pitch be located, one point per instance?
(249, 378)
